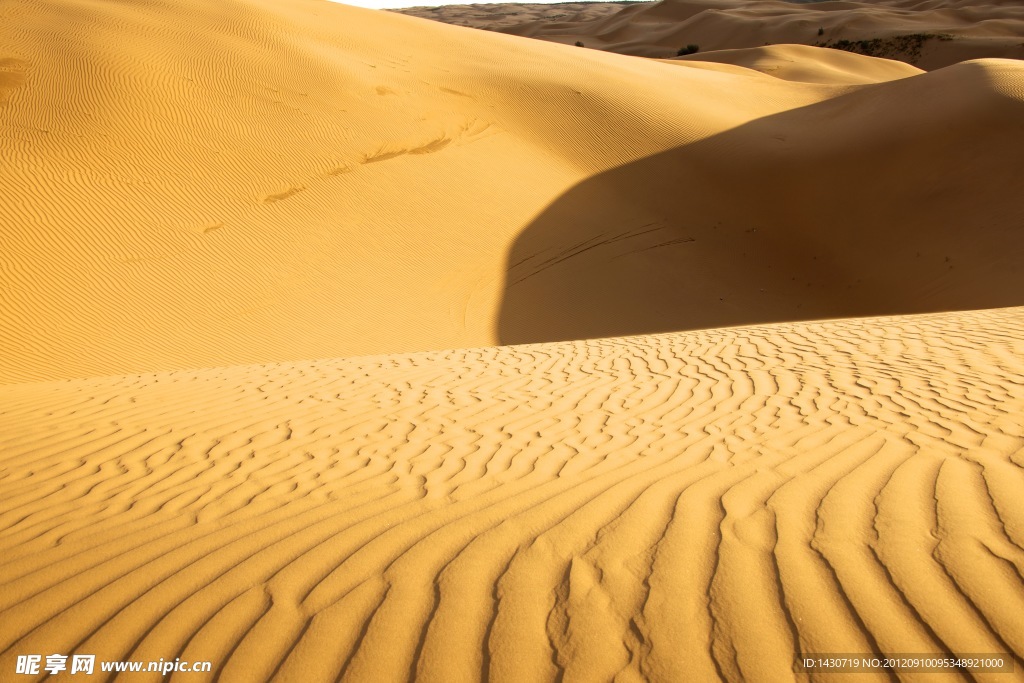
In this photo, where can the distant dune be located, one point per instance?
(341, 345)
(297, 180)
(698, 506)
(497, 16)
(807, 64)
(929, 34)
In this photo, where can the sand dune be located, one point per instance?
(692, 506)
(830, 213)
(218, 186)
(930, 35)
(496, 16)
(809, 64)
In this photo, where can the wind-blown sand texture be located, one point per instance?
(197, 198)
(927, 33)
(691, 506)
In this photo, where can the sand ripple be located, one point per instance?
(690, 506)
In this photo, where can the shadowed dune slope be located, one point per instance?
(930, 34)
(691, 506)
(835, 212)
(252, 181)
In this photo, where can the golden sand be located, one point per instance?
(687, 506)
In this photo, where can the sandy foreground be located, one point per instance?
(197, 198)
(690, 506)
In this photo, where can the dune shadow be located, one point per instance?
(873, 203)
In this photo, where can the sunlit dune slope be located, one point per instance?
(809, 65)
(686, 507)
(192, 184)
(930, 34)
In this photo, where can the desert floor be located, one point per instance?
(337, 344)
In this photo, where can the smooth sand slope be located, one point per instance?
(927, 33)
(805, 64)
(683, 507)
(253, 181)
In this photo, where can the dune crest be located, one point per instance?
(808, 64)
